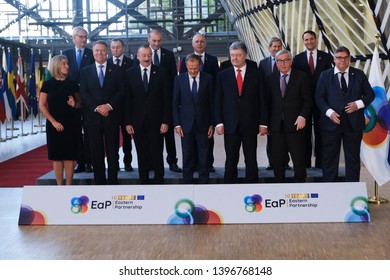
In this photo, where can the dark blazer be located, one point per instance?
(188, 112)
(86, 60)
(329, 96)
(297, 100)
(247, 111)
(127, 62)
(93, 95)
(265, 65)
(210, 65)
(324, 62)
(155, 104)
(227, 63)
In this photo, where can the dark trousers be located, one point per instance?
(293, 143)
(149, 143)
(269, 152)
(192, 156)
(331, 141)
(126, 146)
(83, 147)
(104, 141)
(170, 145)
(232, 149)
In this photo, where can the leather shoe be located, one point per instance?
(79, 168)
(269, 167)
(89, 168)
(211, 169)
(128, 167)
(288, 167)
(173, 167)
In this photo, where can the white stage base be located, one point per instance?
(194, 204)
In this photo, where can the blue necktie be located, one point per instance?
(156, 59)
(194, 89)
(344, 87)
(145, 79)
(101, 75)
(117, 61)
(79, 52)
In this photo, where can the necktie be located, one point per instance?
(145, 79)
(156, 59)
(311, 63)
(343, 83)
(274, 68)
(194, 89)
(117, 61)
(101, 75)
(201, 63)
(239, 81)
(79, 52)
(283, 84)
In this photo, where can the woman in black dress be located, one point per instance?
(59, 101)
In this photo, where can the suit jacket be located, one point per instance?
(93, 95)
(210, 65)
(227, 63)
(127, 62)
(154, 104)
(297, 100)
(329, 96)
(86, 60)
(324, 62)
(265, 65)
(188, 112)
(247, 111)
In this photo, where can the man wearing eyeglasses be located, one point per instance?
(312, 61)
(342, 94)
(290, 103)
(78, 57)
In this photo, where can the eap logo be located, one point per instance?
(79, 204)
(253, 203)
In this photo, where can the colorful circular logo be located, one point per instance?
(79, 204)
(253, 203)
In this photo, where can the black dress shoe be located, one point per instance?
(79, 168)
(173, 167)
(211, 169)
(269, 167)
(128, 167)
(89, 168)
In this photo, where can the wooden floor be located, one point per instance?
(156, 242)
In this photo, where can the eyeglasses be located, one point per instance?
(82, 37)
(282, 61)
(341, 58)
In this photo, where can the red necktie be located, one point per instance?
(239, 81)
(311, 63)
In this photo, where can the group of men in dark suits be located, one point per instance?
(239, 102)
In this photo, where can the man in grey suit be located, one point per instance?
(342, 93)
(193, 117)
(268, 66)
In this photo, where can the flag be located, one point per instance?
(41, 72)
(47, 71)
(4, 88)
(374, 150)
(21, 87)
(32, 86)
(2, 106)
(11, 93)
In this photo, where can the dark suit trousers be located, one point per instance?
(149, 145)
(331, 141)
(83, 149)
(126, 146)
(170, 145)
(192, 156)
(284, 143)
(104, 141)
(317, 137)
(232, 149)
(308, 141)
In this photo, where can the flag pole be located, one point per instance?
(376, 199)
